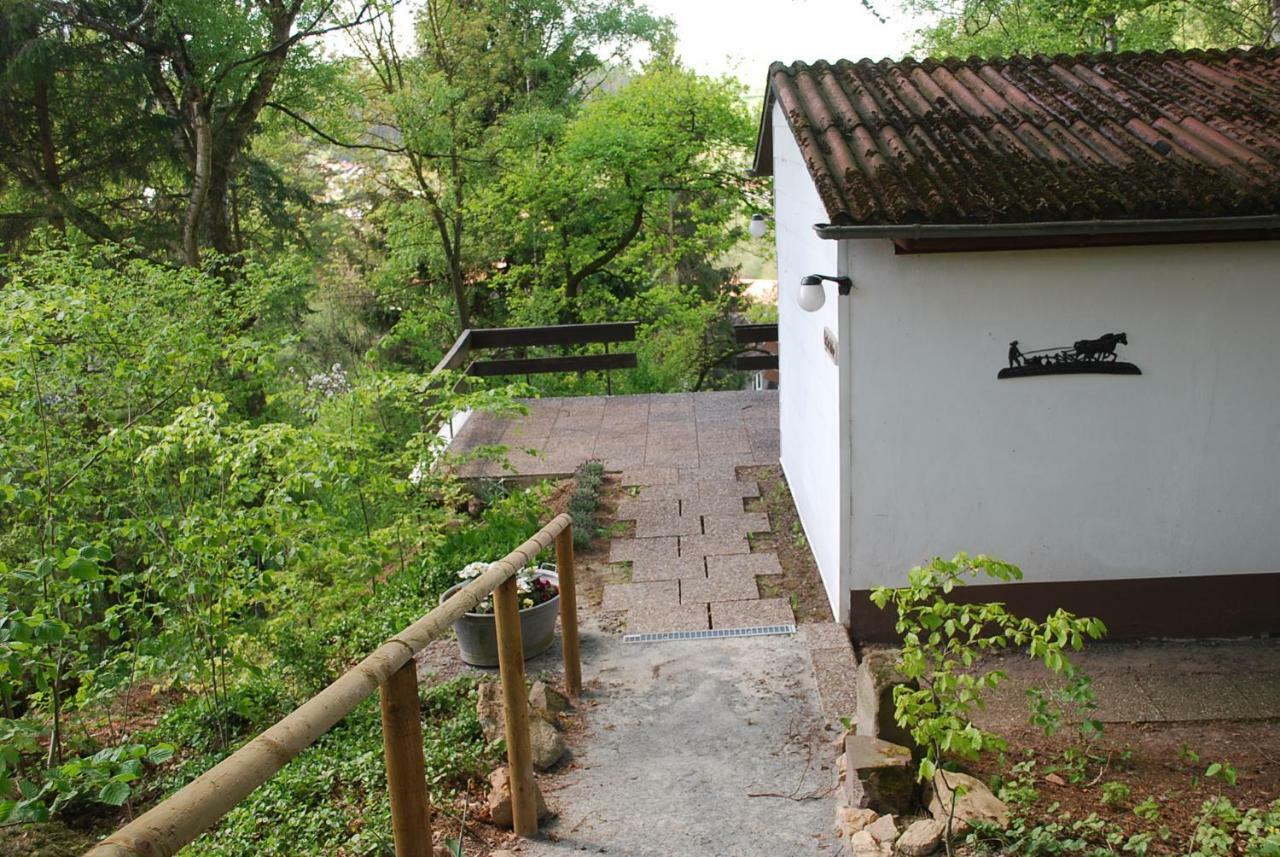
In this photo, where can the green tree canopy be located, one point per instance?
(1003, 27)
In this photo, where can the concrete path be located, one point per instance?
(704, 748)
(692, 748)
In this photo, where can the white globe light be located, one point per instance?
(811, 297)
(757, 227)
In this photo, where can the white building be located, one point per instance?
(1042, 201)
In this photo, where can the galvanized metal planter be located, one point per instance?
(478, 635)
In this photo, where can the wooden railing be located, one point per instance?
(177, 821)
(461, 357)
(751, 334)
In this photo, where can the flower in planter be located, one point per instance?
(531, 588)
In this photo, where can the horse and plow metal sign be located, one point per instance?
(1085, 356)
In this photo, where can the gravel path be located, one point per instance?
(704, 748)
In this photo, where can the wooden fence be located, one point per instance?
(517, 340)
(756, 334)
(390, 670)
(462, 356)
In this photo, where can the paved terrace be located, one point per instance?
(706, 432)
(691, 563)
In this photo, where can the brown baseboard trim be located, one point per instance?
(1229, 605)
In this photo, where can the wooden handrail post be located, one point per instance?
(515, 702)
(569, 612)
(406, 771)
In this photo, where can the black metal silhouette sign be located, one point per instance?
(1085, 356)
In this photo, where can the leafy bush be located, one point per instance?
(942, 643)
(173, 502)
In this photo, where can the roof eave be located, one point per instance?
(1044, 228)
(762, 159)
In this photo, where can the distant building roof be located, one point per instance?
(1151, 136)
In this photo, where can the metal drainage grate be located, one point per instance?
(716, 634)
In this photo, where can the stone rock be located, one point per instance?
(976, 804)
(500, 798)
(1054, 779)
(863, 844)
(879, 776)
(850, 820)
(489, 710)
(543, 698)
(884, 829)
(876, 678)
(921, 838)
(546, 743)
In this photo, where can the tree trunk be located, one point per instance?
(1109, 40)
(1273, 35)
(48, 152)
(218, 221)
(200, 179)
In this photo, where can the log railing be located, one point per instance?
(391, 671)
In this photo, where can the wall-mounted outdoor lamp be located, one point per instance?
(811, 296)
(758, 226)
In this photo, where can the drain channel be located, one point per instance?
(712, 634)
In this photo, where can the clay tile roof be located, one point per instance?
(1067, 138)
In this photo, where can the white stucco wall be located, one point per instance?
(809, 390)
(1174, 472)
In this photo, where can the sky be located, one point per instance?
(742, 37)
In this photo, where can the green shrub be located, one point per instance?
(588, 481)
(332, 799)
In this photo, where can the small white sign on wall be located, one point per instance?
(830, 345)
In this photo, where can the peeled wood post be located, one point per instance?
(406, 771)
(568, 612)
(515, 703)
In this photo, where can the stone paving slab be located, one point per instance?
(657, 594)
(734, 525)
(713, 545)
(1191, 696)
(631, 550)
(650, 476)
(826, 635)
(631, 508)
(834, 666)
(685, 492)
(735, 490)
(681, 617)
(679, 568)
(754, 563)
(721, 587)
(726, 471)
(1261, 692)
(654, 525)
(1158, 682)
(751, 614)
(724, 506)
